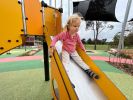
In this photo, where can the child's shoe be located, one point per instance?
(92, 74)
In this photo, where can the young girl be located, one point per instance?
(70, 40)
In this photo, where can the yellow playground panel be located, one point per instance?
(60, 90)
(53, 24)
(10, 25)
(52, 21)
(34, 21)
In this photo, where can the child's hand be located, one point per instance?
(51, 51)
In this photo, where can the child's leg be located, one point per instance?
(65, 59)
(79, 61)
(83, 65)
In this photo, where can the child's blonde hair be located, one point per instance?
(70, 20)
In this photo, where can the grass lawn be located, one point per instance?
(99, 47)
(103, 47)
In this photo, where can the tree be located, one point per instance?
(97, 27)
(116, 39)
(130, 26)
(103, 41)
(128, 39)
(83, 41)
(89, 41)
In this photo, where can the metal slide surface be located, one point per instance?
(85, 88)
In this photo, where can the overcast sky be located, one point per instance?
(109, 34)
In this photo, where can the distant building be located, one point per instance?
(30, 41)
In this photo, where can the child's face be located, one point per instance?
(74, 27)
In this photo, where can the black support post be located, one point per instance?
(46, 61)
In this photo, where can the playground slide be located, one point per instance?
(86, 88)
(104, 83)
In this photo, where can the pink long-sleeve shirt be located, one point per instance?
(69, 42)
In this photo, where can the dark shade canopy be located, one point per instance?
(130, 20)
(100, 10)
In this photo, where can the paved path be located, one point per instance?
(128, 61)
(24, 58)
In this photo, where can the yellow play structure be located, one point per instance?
(19, 19)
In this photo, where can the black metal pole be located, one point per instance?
(46, 61)
(45, 46)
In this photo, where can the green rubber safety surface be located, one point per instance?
(24, 85)
(98, 53)
(15, 52)
(24, 80)
(104, 66)
(20, 65)
(39, 53)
